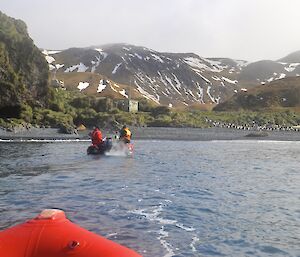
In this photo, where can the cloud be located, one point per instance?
(242, 29)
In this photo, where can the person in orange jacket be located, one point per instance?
(125, 134)
(96, 137)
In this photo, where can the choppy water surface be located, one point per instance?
(228, 198)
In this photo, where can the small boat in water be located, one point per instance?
(51, 234)
(110, 146)
(101, 149)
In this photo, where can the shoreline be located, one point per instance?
(210, 134)
(159, 133)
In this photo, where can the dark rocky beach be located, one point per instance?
(159, 133)
(208, 134)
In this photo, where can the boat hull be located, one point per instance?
(51, 234)
(101, 149)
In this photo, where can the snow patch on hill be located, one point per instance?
(116, 68)
(213, 99)
(50, 52)
(175, 87)
(195, 63)
(229, 80)
(146, 94)
(123, 93)
(49, 59)
(282, 75)
(217, 65)
(157, 58)
(83, 85)
(138, 56)
(101, 86)
(58, 66)
(200, 93)
(80, 68)
(291, 67)
(203, 64)
(95, 63)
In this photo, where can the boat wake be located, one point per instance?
(120, 150)
(153, 214)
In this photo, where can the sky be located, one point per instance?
(250, 30)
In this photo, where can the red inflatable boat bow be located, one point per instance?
(51, 234)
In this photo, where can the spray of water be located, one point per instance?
(120, 149)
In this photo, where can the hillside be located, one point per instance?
(291, 58)
(173, 79)
(23, 69)
(165, 78)
(93, 84)
(277, 94)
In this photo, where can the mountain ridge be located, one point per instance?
(144, 69)
(172, 79)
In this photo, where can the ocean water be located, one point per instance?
(171, 198)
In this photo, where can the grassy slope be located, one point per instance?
(283, 93)
(71, 81)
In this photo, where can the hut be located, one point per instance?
(128, 105)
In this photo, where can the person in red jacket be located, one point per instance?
(96, 137)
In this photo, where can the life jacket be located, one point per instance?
(125, 134)
(96, 137)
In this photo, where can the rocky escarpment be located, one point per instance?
(23, 69)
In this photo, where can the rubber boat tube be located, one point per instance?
(51, 234)
(103, 148)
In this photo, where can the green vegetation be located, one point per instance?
(23, 70)
(283, 93)
(68, 109)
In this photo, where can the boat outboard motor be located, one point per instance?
(108, 144)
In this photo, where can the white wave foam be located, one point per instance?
(119, 150)
(115, 153)
(153, 214)
(162, 235)
(188, 229)
(195, 239)
(111, 235)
